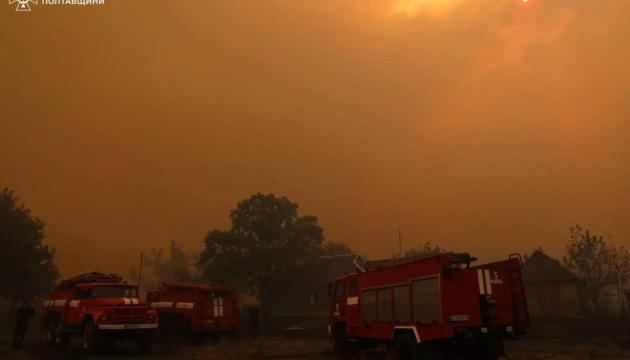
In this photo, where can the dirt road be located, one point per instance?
(283, 348)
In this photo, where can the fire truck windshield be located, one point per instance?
(114, 292)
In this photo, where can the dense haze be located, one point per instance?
(488, 126)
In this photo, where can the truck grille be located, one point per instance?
(130, 314)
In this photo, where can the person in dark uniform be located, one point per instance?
(23, 315)
(253, 321)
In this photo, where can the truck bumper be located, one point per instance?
(127, 326)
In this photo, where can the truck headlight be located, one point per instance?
(151, 316)
(103, 317)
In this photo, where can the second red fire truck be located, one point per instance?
(196, 311)
(430, 305)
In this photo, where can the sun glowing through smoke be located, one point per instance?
(433, 8)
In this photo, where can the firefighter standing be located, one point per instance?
(23, 315)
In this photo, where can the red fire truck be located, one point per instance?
(196, 311)
(102, 309)
(430, 305)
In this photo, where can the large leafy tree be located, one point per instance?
(266, 242)
(27, 266)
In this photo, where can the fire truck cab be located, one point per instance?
(196, 311)
(101, 309)
(437, 305)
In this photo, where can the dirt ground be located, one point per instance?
(277, 347)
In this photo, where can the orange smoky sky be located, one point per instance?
(488, 126)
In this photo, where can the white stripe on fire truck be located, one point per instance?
(60, 302)
(488, 283)
(482, 289)
(74, 303)
(165, 304)
(127, 301)
(134, 301)
(352, 300)
(185, 305)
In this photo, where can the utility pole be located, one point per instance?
(140, 269)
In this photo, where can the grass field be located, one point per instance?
(293, 348)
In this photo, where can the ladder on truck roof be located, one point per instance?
(93, 277)
(461, 258)
(519, 302)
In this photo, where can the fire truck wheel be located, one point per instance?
(341, 341)
(62, 339)
(144, 342)
(91, 338)
(51, 335)
(406, 348)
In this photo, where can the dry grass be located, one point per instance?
(595, 349)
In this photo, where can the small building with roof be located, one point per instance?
(552, 290)
(306, 294)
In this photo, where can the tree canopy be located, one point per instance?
(27, 266)
(267, 239)
(332, 248)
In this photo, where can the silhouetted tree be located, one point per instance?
(620, 262)
(267, 240)
(177, 267)
(426, 249)
(27, 266)
(591, 259)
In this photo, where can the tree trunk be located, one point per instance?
(622, 301)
